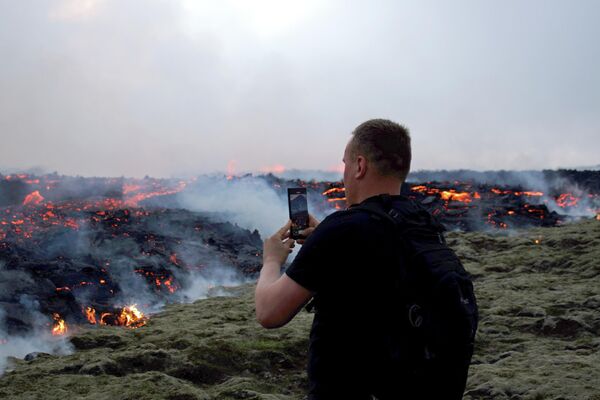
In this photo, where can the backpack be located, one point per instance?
(433, 337)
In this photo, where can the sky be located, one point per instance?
(181, 87)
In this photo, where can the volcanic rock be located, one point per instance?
(143, 254)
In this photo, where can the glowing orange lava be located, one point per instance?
(334, 190)
(132, 317)
(90, 314)
(447, 195)
(33, 198)
(567, 200)
(129, 316)
(60, 326)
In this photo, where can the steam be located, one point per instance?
(20, 346)
(39, 340)
(211, 283)
(250, 202)
(310, 175)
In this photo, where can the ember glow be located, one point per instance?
(90, 314)
(60, 326)
(334, 190)
(141, 194)
(567, 200)
(160, 280)
(132, 317)
(335, 195)
(446, 195)
(33, 198)
(129, 317)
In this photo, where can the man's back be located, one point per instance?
(361, 341)
(351, 263)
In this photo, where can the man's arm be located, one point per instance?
(278, 298)
(279, 301)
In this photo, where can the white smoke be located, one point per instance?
(249, 202)
(39, 340)
(211, 282)
(310, 175)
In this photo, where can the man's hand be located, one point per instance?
(312, 224)
(278, 297)
(278, 247)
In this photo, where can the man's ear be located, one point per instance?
(361, 167)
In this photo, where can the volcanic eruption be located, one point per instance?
(104, 251)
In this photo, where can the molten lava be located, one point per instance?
(567, 200)
(90, 314)
(136, 198)
(334, 190)
(33, 198)
(447, 195)
(451, 194)
(60, 326)
(129, 317)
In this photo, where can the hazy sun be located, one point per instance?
(265, 18)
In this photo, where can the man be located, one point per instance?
(347, 264)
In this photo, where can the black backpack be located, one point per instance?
(431, 342)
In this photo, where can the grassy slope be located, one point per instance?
(539, 336)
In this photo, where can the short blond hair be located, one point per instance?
(384, 143)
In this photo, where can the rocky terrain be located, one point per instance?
(539, 335)
(149, 255)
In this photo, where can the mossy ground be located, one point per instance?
(539, 335)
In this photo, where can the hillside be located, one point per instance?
(539, 335)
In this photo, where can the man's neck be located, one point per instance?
(391, 188)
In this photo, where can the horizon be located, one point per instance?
(289, 174)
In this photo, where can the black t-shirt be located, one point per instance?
(346, 263)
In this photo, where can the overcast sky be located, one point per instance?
(170, 88)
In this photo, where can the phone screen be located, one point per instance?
(298, 211)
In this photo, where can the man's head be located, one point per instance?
(376, 160)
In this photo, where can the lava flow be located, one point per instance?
(87, 243)
(466, 206)
(128, 316)
(60, 326)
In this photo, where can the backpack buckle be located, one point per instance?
(393, 213)
(415, 316)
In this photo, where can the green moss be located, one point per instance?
(539, 336)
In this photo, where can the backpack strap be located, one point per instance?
(379, 209)
(417, 220)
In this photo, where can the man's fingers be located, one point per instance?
(289, 243)
(281, 232)
(307, 231)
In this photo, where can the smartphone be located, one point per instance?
(298, 211)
